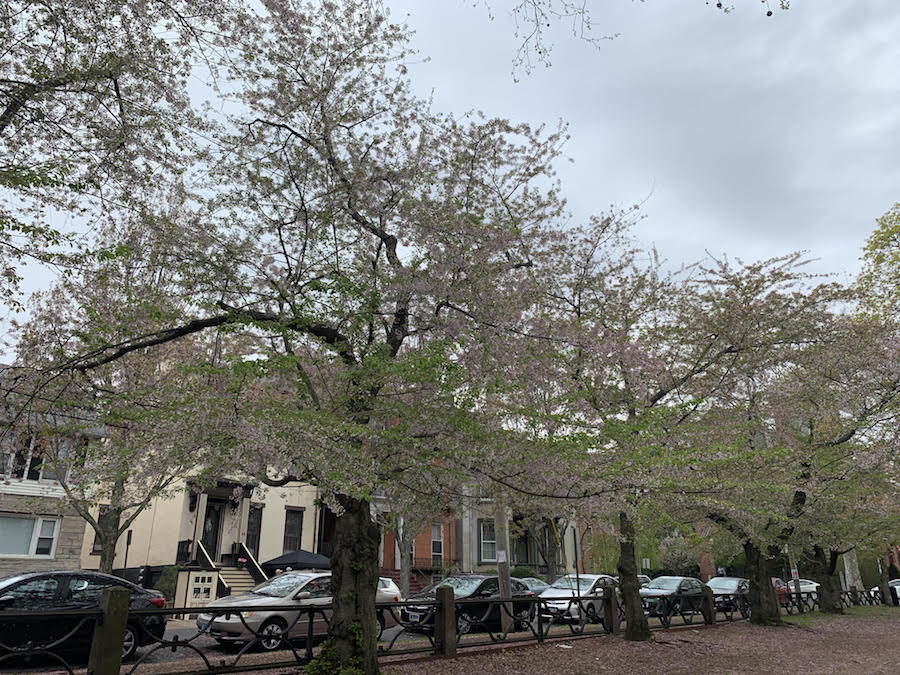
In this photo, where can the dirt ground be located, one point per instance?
(863, 641)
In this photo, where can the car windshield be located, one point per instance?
(723, 584)
(281, 586)
(460, 585)
(570, 581)
(664, 583)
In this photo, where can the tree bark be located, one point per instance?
(823, 566)
(406, 544)
(636, 626)
(351, 644)
(851, 570)
(764, 609)
(884, 586)
(108, 533)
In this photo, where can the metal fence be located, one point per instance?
(446, 624)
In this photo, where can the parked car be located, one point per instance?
(893, 583)
(783, 593)
(76, 590)
(296, 597)
(561, 603)
(289, 594)
(666, 596)
(387, 591)
(535, 585)
(806, 586)
(643, 579)
(483, 613)
(730, 595)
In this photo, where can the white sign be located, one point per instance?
(645, 563)
(501, 556)
(795, 575)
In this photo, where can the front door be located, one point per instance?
(212, 527)
(254, 525)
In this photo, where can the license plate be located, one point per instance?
(414, 617)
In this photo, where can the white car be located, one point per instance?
(561, 598)
(806, 586)
(893, 583)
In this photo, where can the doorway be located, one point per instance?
(212, 528)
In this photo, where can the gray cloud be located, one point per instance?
(753, 136)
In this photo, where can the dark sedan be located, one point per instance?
(480, 607)
(61, 591)
(730, 595)
(665, 597)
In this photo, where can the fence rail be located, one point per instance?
(446, 623)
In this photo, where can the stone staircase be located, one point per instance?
(238, 580)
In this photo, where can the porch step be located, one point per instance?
(238, 580)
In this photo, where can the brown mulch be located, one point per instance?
(864, 642)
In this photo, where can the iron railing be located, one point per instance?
(446, 624)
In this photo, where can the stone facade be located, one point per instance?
(68, 540)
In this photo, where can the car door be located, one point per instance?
(488, 610)
(83, 591)
(521, 596)
(316, 593)
(36, 594)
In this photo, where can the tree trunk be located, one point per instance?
(636, 626)
(823, 566)
(406, 543)
(351, 644)
(764, 609)
(884, 586)
(108, 533)
(851, 570)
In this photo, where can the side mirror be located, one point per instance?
(6, 601)
(303, 595)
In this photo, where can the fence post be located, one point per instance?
(445, 622)
(854, 594)
(708, 605)
(610, 608)
(109, 632)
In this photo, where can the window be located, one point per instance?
(34, 594)
(293, 529)
(437, 543)
(488, 543)
(28, 537)
(25, 459)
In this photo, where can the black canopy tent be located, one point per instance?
(296, 560)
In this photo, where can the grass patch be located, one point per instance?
(813, 619)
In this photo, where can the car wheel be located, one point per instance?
(745, 609)
(592, 615)
(129, 642)
(463, 623)
(270, 634)
(379, 625)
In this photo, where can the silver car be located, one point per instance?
(292, 598)
(288, 598)
(561, 603)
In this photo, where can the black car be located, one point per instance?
(730, 595)
(60, 591)
(480, 607)
(665, 597)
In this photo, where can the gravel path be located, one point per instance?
(862, 642)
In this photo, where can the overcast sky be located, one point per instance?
(748, 135)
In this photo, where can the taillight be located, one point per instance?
(158, 602)
(396, 598)
(531, 595)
